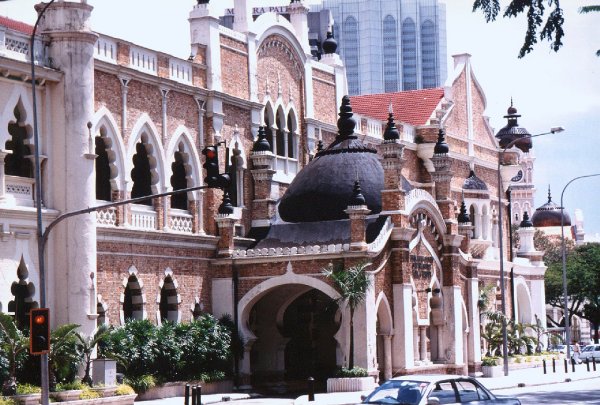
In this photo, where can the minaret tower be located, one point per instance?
(71, 252)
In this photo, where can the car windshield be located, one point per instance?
(397, 392)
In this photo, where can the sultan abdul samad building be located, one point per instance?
(317, 178)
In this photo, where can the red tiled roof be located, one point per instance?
(413, 107)
(16, 25)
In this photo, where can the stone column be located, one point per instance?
(387, 357)
(72, 246)
(423, 341)
(265, 189)
(226, 224)
(417, 342)
(358, 226)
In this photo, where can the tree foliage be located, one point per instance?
(352, 283)
(543, 22)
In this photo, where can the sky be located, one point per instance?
(549, 89)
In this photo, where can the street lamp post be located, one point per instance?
(564, 264)
(501, 241)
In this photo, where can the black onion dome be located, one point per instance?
(226, 208)
(357, 198)
(549, 214)
(203, 1)
(330, 44)
(512, 131)
(463, 216)
(526, 222)
(391, 132)
(322, 190)
(474, 183)
(441, 147)
(261, 144)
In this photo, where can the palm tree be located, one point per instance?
(352, 284)
(13, 343)
(87, 347)
(64, 355)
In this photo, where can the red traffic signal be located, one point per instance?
(39, 331)
(211, 164)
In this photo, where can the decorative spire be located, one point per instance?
(203, 1)
(549, 194)
(357, 198)
(463, 216)
(261, 144)
(319, 145)
(346, 123)
(441, 147)
(330, 44)
(226, 208)
(526, 222)
(391, 133)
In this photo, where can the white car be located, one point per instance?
(434, 390)
(591, 351)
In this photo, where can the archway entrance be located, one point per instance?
(294, 327)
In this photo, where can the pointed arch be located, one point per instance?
(20, 98)
(105, 126)
(145, 131)
(102, 311)
(524, 306)
(168, 299)
(182, 142)
(132, 300)
(384, 315)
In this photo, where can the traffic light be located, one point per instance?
(39, 331)
(211, 164)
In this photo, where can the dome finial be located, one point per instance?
(346, 123)
(261, 144)
(441, 147)
(226, 208)
(549, 194)
(391, 133)
(330, 44)
(463, 216)
(357, 197)
(526, 222)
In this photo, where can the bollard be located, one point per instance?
(543, 364)
(194, 395)
(587, 364)
(199, 394)
(311, 389)
(553, 365)
(566, 366)
(594, 363)
(186, 401)
(573, 364)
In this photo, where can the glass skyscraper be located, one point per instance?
(390, 45)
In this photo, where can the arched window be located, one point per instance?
(291, 142)
(140, 174)
(103, 187)
(268, 127)
(409, 55)
(428, 55)
(168, 305)
(280, 144)
(133, 305)
(197, 311)
(16, 163)
(179, 182)
(351, 52)
(390, 54)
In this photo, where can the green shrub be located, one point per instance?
(124, 389)
(67, 386)
(489, 361)
(89, 394)
(354, 372)
(24, 389)
(213, 376)
(7, 401)
(141, 384)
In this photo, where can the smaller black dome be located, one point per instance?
(474, 183)
(441, 147)
(512, 131)
(226, 208)
(330, 44)
(391, 133)
(357, 198)
(261, 144)
(549, 215)
(526, 222)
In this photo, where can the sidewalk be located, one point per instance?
(524, 377)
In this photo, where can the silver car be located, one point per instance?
(433, 390)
